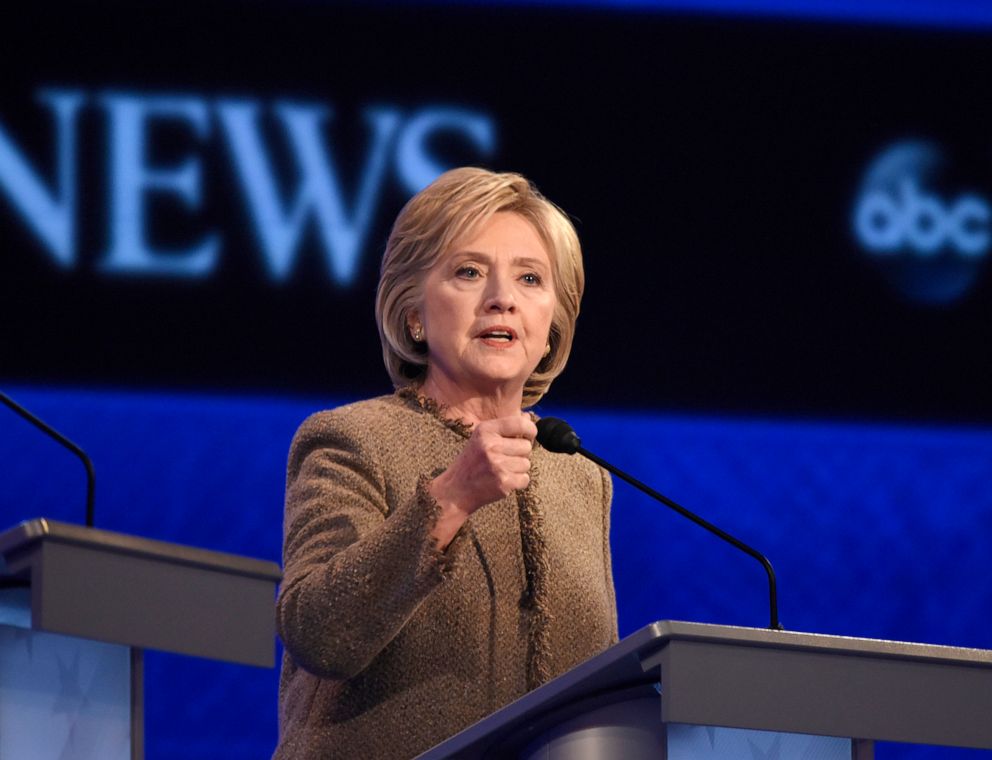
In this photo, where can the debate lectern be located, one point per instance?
(689, 691)
(78, 606)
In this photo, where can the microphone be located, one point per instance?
(558, 437)
(53, 433)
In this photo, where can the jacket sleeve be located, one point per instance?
(355, 566)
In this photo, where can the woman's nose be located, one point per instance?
(499, 295)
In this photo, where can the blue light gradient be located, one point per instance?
(955, 14)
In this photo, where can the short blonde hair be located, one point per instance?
(445, 213)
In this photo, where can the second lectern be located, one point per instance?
(77, 608)
(689, 691)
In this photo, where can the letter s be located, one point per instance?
(415, 166)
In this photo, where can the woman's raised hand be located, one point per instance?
(494, 463)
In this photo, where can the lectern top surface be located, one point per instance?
(31, 532)
(671, 630)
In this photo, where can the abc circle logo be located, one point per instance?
(922, 222)
(927, 241)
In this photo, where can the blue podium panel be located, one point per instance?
(686, 742)
(64, 698)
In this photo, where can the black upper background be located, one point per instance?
(710, 165)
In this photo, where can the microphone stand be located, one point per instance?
(557, 436)
(774, 624)
(52, 432)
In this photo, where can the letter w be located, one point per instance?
(280, 225)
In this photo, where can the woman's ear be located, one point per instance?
(415, 327)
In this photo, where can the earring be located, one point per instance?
(417, 333)
(547, 350)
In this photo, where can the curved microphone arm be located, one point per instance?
(774, 624)
(559, 437)
(52, 432)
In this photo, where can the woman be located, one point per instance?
(438, 563)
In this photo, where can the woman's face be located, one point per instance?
(486, 308)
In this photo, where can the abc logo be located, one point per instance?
(929, 245)
(923, 223)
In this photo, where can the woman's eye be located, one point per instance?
(467, 272)
(531, 278)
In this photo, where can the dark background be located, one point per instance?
(711, 167)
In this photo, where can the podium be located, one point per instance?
(690, 691)
(78, 606)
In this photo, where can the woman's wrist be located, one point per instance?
(450, 516)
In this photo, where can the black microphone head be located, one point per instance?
(557, 435)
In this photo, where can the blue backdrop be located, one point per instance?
(874, 530)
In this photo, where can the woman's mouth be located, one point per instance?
(498, 336)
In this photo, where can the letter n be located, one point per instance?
(50, 215)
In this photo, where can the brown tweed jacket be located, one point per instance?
(392, 646)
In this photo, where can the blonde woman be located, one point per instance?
(438, 562)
